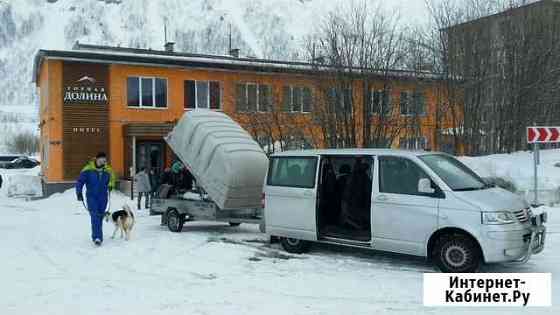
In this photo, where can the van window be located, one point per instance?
(292, 172)
(399, 176)
(454, 173)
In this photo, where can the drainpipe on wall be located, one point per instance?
(133, 168)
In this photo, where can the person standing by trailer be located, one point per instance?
(99, 179)
(142, 183)
(166, 177)
(154, 182)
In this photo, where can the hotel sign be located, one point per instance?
(85, 118)
(85, 90)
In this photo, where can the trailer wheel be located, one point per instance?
(175, 220)
(234, 224)
(294, 245)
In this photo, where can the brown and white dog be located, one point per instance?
(123, 220)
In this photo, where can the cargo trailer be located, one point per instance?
(229, 168)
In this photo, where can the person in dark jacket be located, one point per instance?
(328, 194)
(99, 179)
(154, 182)
(0, 180)
(182, 178)
(356, 198)
(341, 181)
(166, 177)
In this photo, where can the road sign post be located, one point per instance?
(536, 174)
(535, 136)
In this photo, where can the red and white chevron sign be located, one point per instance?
(543, 134)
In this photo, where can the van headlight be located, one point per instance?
(503, 217)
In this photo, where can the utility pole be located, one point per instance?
(165, 30)
(229, 36)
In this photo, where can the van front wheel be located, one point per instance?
(457, 253)
(294, 245)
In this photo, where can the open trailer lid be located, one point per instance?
(222, 156)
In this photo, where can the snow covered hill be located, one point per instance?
(270, 29)
(261, 28)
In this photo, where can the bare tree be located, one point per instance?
(358, 46)
(23, 143)
(501, 69)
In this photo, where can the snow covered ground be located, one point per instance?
(49, 266)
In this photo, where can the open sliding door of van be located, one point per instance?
(290, 197)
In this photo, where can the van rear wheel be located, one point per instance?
(457, 253)
(294, 245)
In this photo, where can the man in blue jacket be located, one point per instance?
(99, 179)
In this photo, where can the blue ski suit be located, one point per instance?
(98, 182)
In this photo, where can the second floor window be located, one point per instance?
(413, 103)
(297, 99)
(341, 99)
(147, 92)
(380, 102)
(252, 97)
(203, 94)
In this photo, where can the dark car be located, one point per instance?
(6, 159)
(21, 162)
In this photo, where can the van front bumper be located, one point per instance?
(517, 245)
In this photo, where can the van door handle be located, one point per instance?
(308, 193)
(382, 198)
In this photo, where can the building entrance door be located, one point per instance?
(150, 154)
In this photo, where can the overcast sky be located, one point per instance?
(411, 9)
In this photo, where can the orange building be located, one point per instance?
(123, 101)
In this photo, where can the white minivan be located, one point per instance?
(418, 203)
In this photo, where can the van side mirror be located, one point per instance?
(425, 186)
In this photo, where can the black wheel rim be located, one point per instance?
(173, 221)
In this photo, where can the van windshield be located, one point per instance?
(454, 173)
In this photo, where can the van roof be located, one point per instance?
(357, 151)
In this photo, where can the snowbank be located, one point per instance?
(21, 183)
(517, 168)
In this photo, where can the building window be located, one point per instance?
(252, 97)
(203, 94)
(413, 143)
(147, 92)
(419, 103)
(406, 108)
(380, 102)
(341, 99)
(297, 99)
(413, 103)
